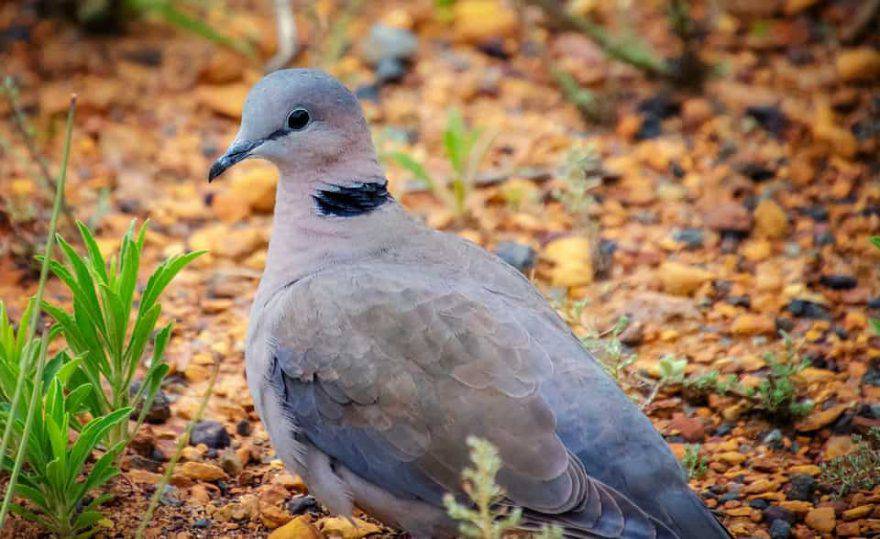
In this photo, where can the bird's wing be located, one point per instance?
(389, 372)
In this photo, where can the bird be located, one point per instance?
(376, 346)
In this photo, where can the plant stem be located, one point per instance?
(580, 97)
(628, 51)
(32, 327)
(26, 431)
(181, 443)
(20, 123)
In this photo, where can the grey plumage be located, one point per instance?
(376, 346)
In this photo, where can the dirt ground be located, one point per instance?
(716, 217)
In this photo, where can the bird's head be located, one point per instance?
(299, 119)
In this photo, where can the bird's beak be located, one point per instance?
(239, 151)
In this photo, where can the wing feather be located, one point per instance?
(390, 375)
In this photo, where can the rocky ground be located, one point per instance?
(712, 219)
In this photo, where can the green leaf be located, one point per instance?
(92, 434)
(77, 397)
(87, 519)
(407, 162)
(86, 292)
(103, 470)
(142, 328)
(99, 265)
(33, 495)
(163, 276)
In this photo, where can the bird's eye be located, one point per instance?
(298, 119)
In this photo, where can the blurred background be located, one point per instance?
(687, 180)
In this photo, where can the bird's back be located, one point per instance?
(596, 421)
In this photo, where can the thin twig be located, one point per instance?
(652, 395)
(181, 443)
(32, 328)
(288, 37)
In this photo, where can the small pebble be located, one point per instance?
(758, 504)
(780, 529)
(801, 487)
(160, 409)
(211, 433)
(774, 512)
(757, 172)
(301, 504)
(692, 238)
(838, 282)
(518, 255)
(244, 428)
(773, 438)
(169, 497)
(770, 117)
(803, 308)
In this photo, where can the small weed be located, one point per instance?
(699, 387)
(857, 470)
(100, 328)
(694, 465)
(581, 175)
(487, 518)
(489, 515)
(569, 309)
(672, 370)
(465, 148)
(777, 395)
(610, 351)
(53, 479)
(113, 14)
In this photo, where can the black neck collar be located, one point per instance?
(351, 200)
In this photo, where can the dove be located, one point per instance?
(377, 346)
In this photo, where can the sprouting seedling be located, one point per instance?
(465, 149)
(672, 370)
(777, 395)
(580, 176)
(695, 466)
(610, 351)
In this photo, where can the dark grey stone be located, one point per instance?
(518, 255)
(210, 433)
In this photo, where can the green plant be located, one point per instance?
(581, 175)
(100, 328)
(698, 387)
(465, 149)
(694, 465)
(857, 470)
(182, 442)
(574, 93)
(53, 480)
(25, 376)
(488, 516)
(112, 14)
(777, 395)
(610, 351)
(628, 48)
(487, 519)
(672, 370)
